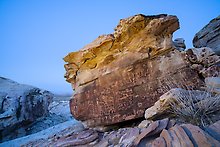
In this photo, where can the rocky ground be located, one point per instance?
(134, 87)
(160, 133)
(59, 112)
(38, 110)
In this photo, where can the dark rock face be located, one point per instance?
(20, 104)
(126, 93)
(118, 76)
(209, 36)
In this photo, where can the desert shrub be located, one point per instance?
(198, 110)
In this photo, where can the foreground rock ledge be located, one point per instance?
(118, 76)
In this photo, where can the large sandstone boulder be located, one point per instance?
(20, 105)
(118, 76)
(209, 36)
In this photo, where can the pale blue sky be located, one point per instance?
(36, 34)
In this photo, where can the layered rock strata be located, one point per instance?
(118, 76)
(161, 133)
(209, 36)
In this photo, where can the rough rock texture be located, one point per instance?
(213, 84)
(179, 135)
(209, 36)
(154, 128)
(20, 105)
(61, 108)
(213, 130)
(159, 133)
(205, 61)
(198, 136)
(139, 36)
(59, 112)
(48, 136)
(144, 123)
(118, 76)
(179, 43)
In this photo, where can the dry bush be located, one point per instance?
(198, 111)
(201, 110)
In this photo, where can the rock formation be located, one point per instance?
(159, 133)
(179, 43)
(118, 76)
(213, 84)
(45, 137)
(209, 36)
(204, 61)
(20, 105)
